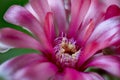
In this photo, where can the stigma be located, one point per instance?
(66, 52)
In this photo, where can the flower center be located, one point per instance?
(66, 52)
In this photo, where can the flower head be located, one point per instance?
(71, 35)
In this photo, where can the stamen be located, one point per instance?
(66, 51)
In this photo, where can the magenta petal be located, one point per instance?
(49, 27)
(111, 2)
(104, 35)
(110, 64)
(116, 48)
(13, 65)
(79, 9)
(41, 7)
(86, 33)
(58, 76)
(112, 11)
(105, 31)
(43, 71)
(32, 11)
(71, 74)
(18, 39)
(20, 16)
(95, 12)
(57, 8)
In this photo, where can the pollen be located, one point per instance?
(66, 52)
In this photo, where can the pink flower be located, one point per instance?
(71, 36)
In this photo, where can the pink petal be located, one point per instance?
(13, 65)
(32, 11)
(110, 64)
(18, 39)
(79, 9)
(111, 2)
(104, 35)
(20, 16)
(49, 27)
(4, 48)
(41, 7)
(116, 48)
(112, 11)
(71, 74)
(57, 8)
(94, 14)
(58, 76)
(43, 71)
(105, 31)
(86, 33)
(117, 51)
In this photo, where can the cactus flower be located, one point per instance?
(70, 34)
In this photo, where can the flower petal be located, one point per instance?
(18, 39)
(58, 10)
(71, 74)
(95, 12)
(43, 71)
(41, 7)
(110, 64)
(111, 2)
(104, 35)
(4, 48)
(112, 11)
(79, 9)
(116, 48)
(94, 15)
(105, 31)
(20, 16)
(49, 27)
(31, 10)
(86, 33)
(11, 66)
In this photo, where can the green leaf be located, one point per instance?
(15, 52)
